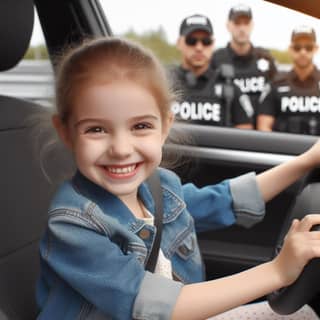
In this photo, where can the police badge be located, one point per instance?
(218, 90)
(263, 65)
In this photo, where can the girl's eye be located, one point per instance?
(95, 130)
(142, 125)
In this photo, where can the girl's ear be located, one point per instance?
(62, 131)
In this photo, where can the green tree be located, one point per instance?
(156, 40)
(37, 52)
(281, 56)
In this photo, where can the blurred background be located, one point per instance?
(156, 25)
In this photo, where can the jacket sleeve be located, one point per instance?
(232, 201)
(95, 267)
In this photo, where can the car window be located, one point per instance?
(32, 78)
(272, 23)
(156, 25)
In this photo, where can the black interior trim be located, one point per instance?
(16, 25)
(248, 254)
(77, 20)
(240, 139)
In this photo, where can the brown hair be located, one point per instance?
(105, 60)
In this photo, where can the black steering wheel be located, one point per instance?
(289, 299)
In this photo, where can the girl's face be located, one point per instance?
(116, 134)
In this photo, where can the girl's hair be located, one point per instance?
(104, 60)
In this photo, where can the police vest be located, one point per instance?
(206, 100)
(252, 71)
(295, 104)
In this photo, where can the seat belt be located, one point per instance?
(156, 191)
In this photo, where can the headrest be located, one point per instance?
(16, 26)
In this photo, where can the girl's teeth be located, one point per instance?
(121, 170)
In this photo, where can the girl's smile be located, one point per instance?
(121, 171)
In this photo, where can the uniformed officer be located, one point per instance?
(253, 66)
(292, 102)
(208, 97)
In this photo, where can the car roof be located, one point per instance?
(310, 7)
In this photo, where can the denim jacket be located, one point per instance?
(94, 249)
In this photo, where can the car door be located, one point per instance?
(214, 154)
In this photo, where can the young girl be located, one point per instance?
(113, 113)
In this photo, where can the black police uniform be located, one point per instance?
(295, 104)
(206, 99)
(251, 71)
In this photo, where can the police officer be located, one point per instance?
(207, 98)
(253, 66)
(292, 102)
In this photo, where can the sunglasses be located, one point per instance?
(192, 41)
(299, 47)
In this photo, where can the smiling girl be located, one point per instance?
(113, 113)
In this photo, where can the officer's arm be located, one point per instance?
(244, 126)
(273, 68)
(214, 63)
(267, 108)
(265, 122)
(242, 111)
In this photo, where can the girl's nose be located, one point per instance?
(121, 146)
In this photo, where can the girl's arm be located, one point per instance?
(202, 300)
(275, 180)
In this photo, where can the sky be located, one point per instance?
(272, 23)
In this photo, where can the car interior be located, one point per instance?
(22, 178)
(29, 178)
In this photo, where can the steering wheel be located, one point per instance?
(289, 299)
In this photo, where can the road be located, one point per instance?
(30, 79)
(33, 79)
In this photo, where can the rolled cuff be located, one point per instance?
(248, 204)
(156, 298)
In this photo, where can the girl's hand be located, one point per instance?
(312, 155)
(300, 246)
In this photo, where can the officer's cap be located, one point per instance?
(240, 10)
(194, 23)
(303, 31)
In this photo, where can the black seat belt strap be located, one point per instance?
(155, 188)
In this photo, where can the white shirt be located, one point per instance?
(163, 266)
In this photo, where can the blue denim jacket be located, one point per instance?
(94, 249)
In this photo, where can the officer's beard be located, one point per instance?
(241, 39)
(303, 64)
(196, 67)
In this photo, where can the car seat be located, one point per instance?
(25, 189)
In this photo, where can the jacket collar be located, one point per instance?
(234, 55)
(114, 207)
(313, 76)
